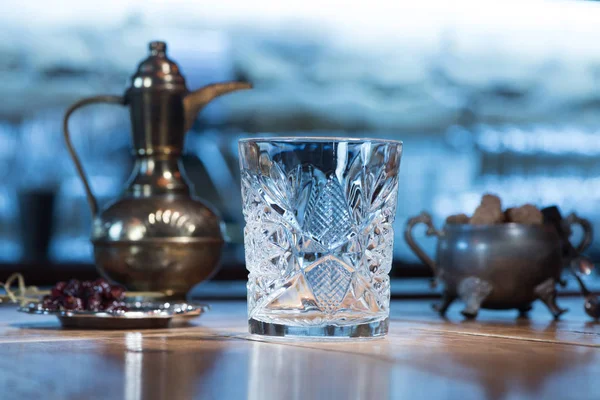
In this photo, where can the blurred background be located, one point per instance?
(499, 97)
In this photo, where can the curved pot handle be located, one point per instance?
(582, 265)
(588, 231)
(423, 218)
(67, 135)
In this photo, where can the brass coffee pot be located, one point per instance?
(156, 237)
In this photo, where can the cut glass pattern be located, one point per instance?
(318, 236)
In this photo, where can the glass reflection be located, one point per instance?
(133, 366)
(303, 372)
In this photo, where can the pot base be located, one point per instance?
(474, 294)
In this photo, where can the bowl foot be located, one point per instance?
(470, 313)
(473, 291)
(447, 299)
(546, 292)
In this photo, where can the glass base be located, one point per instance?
(377, 329)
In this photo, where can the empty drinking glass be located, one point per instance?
(318, 236)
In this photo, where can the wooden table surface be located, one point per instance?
(424, 357)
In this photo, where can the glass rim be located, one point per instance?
(319, 139)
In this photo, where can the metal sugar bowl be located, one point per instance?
(157, 236)
(500, 266)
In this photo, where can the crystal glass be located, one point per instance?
(318, 237)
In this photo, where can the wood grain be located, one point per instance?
(424, 357)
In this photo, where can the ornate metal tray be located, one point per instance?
(141, 315)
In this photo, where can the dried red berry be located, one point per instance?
(73, 288)
(117, 293)
(57, 290)
(115, 306)
(94, 303)
(50, 303)
(93, 296)
(72, 303)
(101, 287)
(79, 306)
